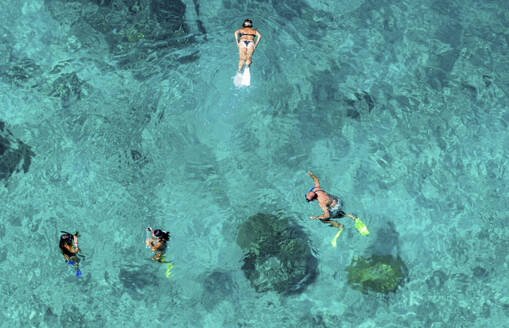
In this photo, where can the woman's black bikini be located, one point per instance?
(246, 42)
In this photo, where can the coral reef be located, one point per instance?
(277, 254)
(378, 273)
(67, 87)
(21, 72)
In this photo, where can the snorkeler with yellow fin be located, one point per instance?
(332, 209)
(157, 243)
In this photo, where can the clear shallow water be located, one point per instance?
(401, 109)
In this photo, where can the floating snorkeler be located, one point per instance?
(157, 244)
(332, 208)
(245, 40)
(69, 247)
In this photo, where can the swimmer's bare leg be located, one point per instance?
(350, 216)
(74, 259)
(242, 56)
(249, 53)
(333, 223)
(158, 257)
(77, 261)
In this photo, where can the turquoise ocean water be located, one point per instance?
(125, 115)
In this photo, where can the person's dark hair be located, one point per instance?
(164, 235)
(247, 23)
(309, 200)
(65, 239)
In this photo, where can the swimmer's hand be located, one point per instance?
(310, 174)
(313, 217)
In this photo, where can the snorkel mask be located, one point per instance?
(247, 23)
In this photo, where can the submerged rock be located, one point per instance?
(135, 279)
(133, 30)
(277, 254)
(378, 273)
(72, 316)
(217, 286)
(67, 87)
(14, 154)
(24, 73)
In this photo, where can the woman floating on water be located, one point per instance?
(245, 40)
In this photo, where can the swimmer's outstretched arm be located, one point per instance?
(71, 249)
(325, 214)
(150, 243)
(258, 38)
(75, 239)
(315, 179)
(237, 37)
(153, 247)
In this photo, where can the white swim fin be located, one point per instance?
(246, 77)
(237, 80)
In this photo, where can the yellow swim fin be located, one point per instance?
(333, 242)
(361, 227)
(168, 270)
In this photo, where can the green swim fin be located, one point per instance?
(333, 242)
(361, 227)
(168, 270)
